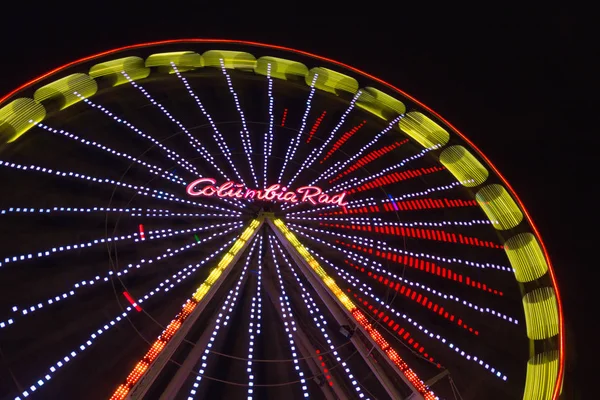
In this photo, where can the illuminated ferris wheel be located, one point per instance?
(223, 219)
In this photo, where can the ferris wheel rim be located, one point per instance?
(513, 193)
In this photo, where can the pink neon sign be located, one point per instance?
(276, 193)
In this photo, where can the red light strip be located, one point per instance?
(395, 177)
(132, 301)
(416, 297)
(561, 366)
(160, 343)
(343, 140)
(285, 111)
(324, 368)
(406, 205)
(373, 155)
(425, 266)
(315, 127)
(426, 234)
(404, 334)
(142, 234)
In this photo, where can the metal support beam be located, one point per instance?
(192, 359)
(343, 317)
(303, 345)
(143, 385)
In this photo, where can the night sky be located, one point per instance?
(518, 85)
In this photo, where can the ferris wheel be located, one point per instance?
(195, 219)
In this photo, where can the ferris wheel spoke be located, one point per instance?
(97, 280)
(245, 133)
(222, 320)
(321, 325)
(295, 142)
(415, 261)
(315, 155)
(268, 136)
(164, 286)
(337, 167)
(366, 260)
(195, 143)
(139, 189)
(131, 236)
(254, 326)
(225, 150)
(171, 154)
(101, 210)
(368, 158)
(367, 291)
(289, 324)
(355, 184)
(153, 169)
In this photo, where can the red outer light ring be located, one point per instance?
(559, 377)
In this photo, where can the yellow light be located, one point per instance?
(541, 313)
(62, 90)
(214, 275)
(332, 81)
(231, 59)
(281, 68)
(351, 307)
(15, 117)
(380, 104)
(542, 370)
(464, 166)
(422, 129)
(183, 60)
(526, 257)
(499, 206)
(134, 67)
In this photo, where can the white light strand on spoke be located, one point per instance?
(315, 155)
(381, 245)
(268, 140)
(142, 190)
(132, 212)
(329, 172)
(353, 182)
(153, 234)
(28, 310)
(368, 291)
(222, 320)
(192, 140)
(371, 201)
(378, 267)
(245, 134)
(254, 327)
(152, 168)
(321, 323)
(171, 154)
(291, 150)
(217, 135)
(288, 320)
(179, 277)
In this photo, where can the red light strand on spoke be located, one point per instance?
(315, 127)
(285, 111)
(343, 140)
(395, 177)
(132, 301)
(403, 333)
(415, 296)
(425, 266)
(426, 234)
(142, 234)
(373, 155)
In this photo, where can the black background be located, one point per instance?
(518, 84)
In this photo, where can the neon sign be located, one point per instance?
(276, 193)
